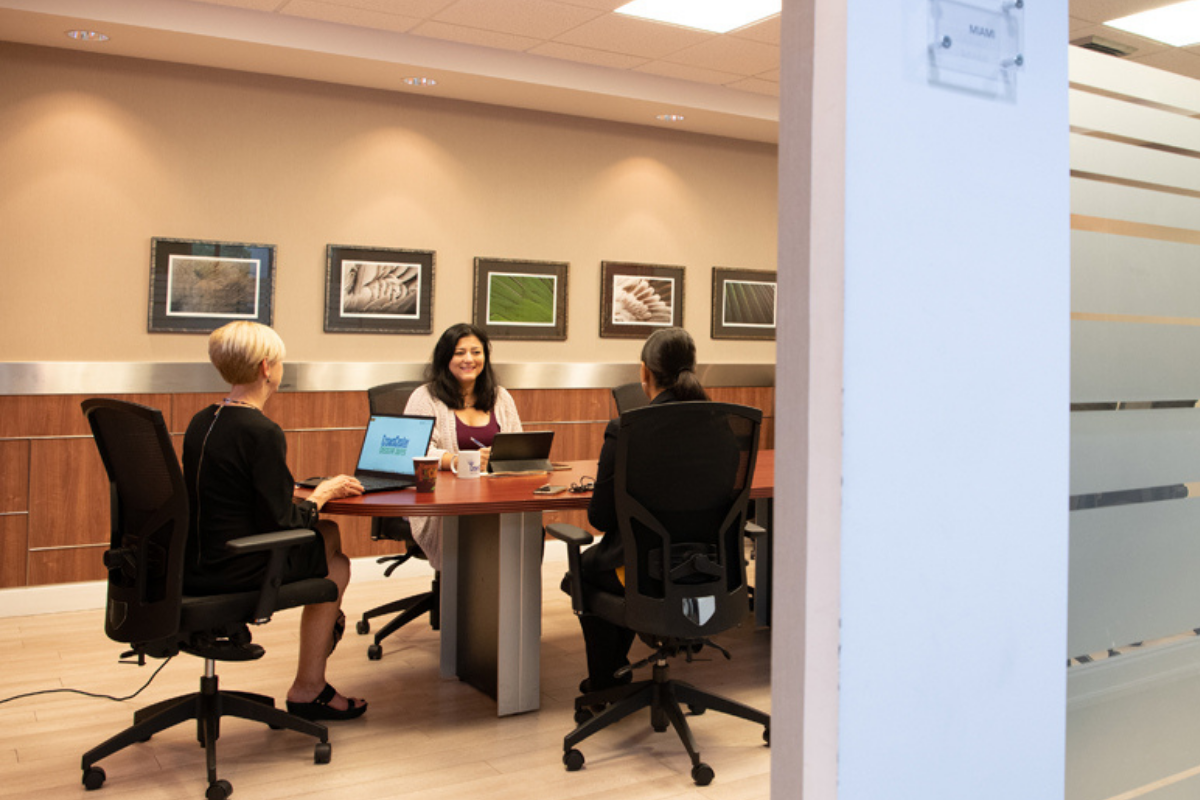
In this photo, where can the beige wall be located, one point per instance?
(99, 154)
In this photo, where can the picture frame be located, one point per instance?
(517, 299)
(638, 299)
(196, 286)
(744, 303)
(378, 290)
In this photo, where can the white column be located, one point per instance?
(923, 376)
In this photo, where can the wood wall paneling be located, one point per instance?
(186, 406)
(67, 565)
(57, 414)
(14, 476)
(68, 494)
(552, 405)
(294, 410)
(14, 549)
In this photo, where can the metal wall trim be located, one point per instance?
(121, 377)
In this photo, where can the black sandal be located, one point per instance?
(339, 628)
(319, 708)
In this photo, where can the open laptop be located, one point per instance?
(385, 462)
(527, 451)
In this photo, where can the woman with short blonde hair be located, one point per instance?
(239, 484)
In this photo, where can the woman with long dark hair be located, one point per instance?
(470, 408)
(668, 375)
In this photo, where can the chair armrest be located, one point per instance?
(575, 538)
(277, 544)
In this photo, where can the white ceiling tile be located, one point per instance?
(757, 86)
(1141, 46)
(686, 73)
(256, 5)
(620, 34)
(541, 19)
(345, 15)
(727, 54)
(768, 31)
(586, 55)
(484, 38)
(421, 9)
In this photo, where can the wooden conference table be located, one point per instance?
(492, 541)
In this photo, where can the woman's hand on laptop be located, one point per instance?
(335, 488)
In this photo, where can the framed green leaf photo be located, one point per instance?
(521, 299)
(743, 303)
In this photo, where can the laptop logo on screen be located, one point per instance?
(393, 446)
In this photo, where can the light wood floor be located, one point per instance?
(424, 736)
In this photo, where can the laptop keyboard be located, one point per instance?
(372, 484)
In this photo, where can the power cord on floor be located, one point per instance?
(140, 662)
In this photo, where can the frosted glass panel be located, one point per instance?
(1115, 450)
(1133, 574)
(1123, 275)
(1122, 361)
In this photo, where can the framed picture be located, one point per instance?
(638, 299)
(378, 290)
(743, 304)
(521, 299)
(198, 286)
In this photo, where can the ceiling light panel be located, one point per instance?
(1177, 25)
(705, 15)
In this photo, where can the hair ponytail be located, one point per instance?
(670, 355)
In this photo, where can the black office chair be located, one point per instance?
(146, 606)
(392, 398)
(629, 396)
(683, 476)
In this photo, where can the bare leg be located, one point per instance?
(316, 625)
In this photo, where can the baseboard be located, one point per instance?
(27, 601)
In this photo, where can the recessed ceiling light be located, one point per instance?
(87, 36)
(420, 81)
(670, 117)
(706, 15)
(1177, 25)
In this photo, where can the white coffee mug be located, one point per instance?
(470, 462)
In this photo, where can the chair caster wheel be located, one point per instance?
(582, 715)
(374, 652)
(93, 778)
(219, 791)
(702, 774)
(659, 728)
(767, 736)
(573, 759)
(696, 710)
(363, 627)
(322, 753)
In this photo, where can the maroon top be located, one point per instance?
(486, 433)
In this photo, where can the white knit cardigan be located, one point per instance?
(428, 530)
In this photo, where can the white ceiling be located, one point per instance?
(566, 56)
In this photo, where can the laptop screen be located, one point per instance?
(391, 443)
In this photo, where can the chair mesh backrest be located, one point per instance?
(629, 396)
(149, 520)
(683, 478)
(391, 398)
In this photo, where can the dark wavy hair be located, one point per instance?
(442, 382)
(670, 355)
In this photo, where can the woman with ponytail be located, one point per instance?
(668, 375)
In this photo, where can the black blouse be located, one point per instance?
(239, 484)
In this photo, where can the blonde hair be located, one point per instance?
(236, 350)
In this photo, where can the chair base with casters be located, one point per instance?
(219, 642)
(406, 609)
(206, 707)
(665, 698)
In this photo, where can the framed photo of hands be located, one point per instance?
(378, 290)
(638, 299)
